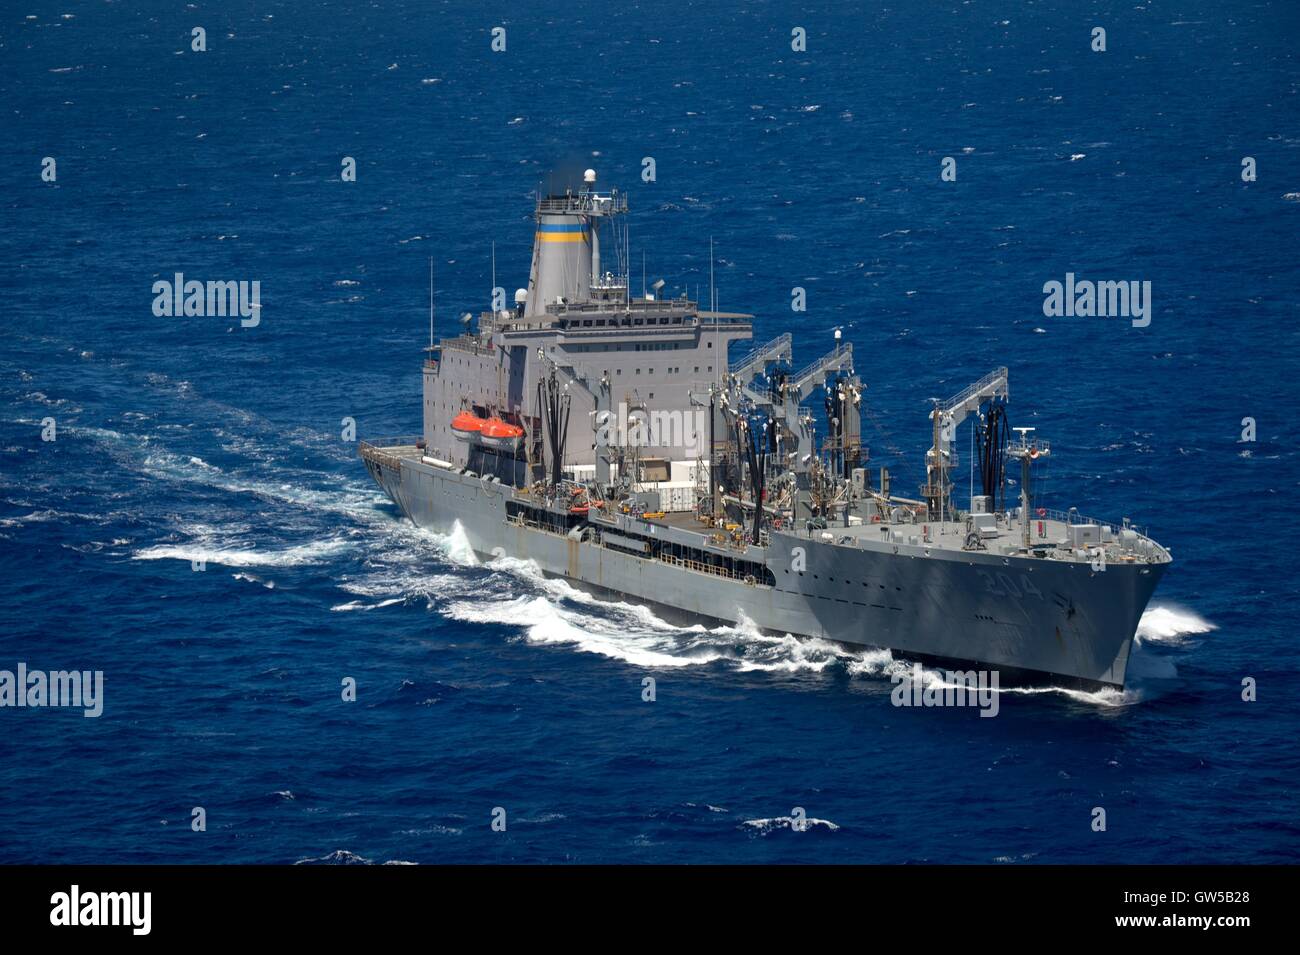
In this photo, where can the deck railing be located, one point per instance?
(401, 441)
(774, 350)
(1072, 516)
(972, 390)
(380, 450)
(701, 567)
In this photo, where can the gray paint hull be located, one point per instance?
(1057, 619)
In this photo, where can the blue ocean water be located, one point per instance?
(181, 439)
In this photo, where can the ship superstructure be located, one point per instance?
(608, 438)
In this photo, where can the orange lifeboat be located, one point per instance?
(581, 502)
(467, 426)
(501, 435)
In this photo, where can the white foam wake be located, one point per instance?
(1169, 624)
(457, 547)
(141, 453)
(315, 552)
(553, 611)
(545, 622)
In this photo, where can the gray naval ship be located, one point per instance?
(610, 439)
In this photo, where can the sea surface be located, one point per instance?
(180, 440)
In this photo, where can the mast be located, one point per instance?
(1027, 452)
(712, 306)
(713, 449)
(430, 353)
(715, 505)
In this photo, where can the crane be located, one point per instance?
(944, 419)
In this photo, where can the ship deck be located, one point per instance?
(948, 535)
(684, 520)
(1050, 531)
(391, 455)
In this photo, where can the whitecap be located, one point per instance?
(764, 826)
(314, 552)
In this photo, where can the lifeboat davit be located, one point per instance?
(500, 434)
(467, 426)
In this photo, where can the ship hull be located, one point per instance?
(1035, 621)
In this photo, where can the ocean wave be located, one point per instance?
(45, 516)
(354, 502)
(358, 605)
(315, 552)
(1106, 697)
(1170, 625)
(790, 654)
(141, 453)
(346, 857)
(254, 579)
(776, 823)
(550, 624)
(555, 612)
